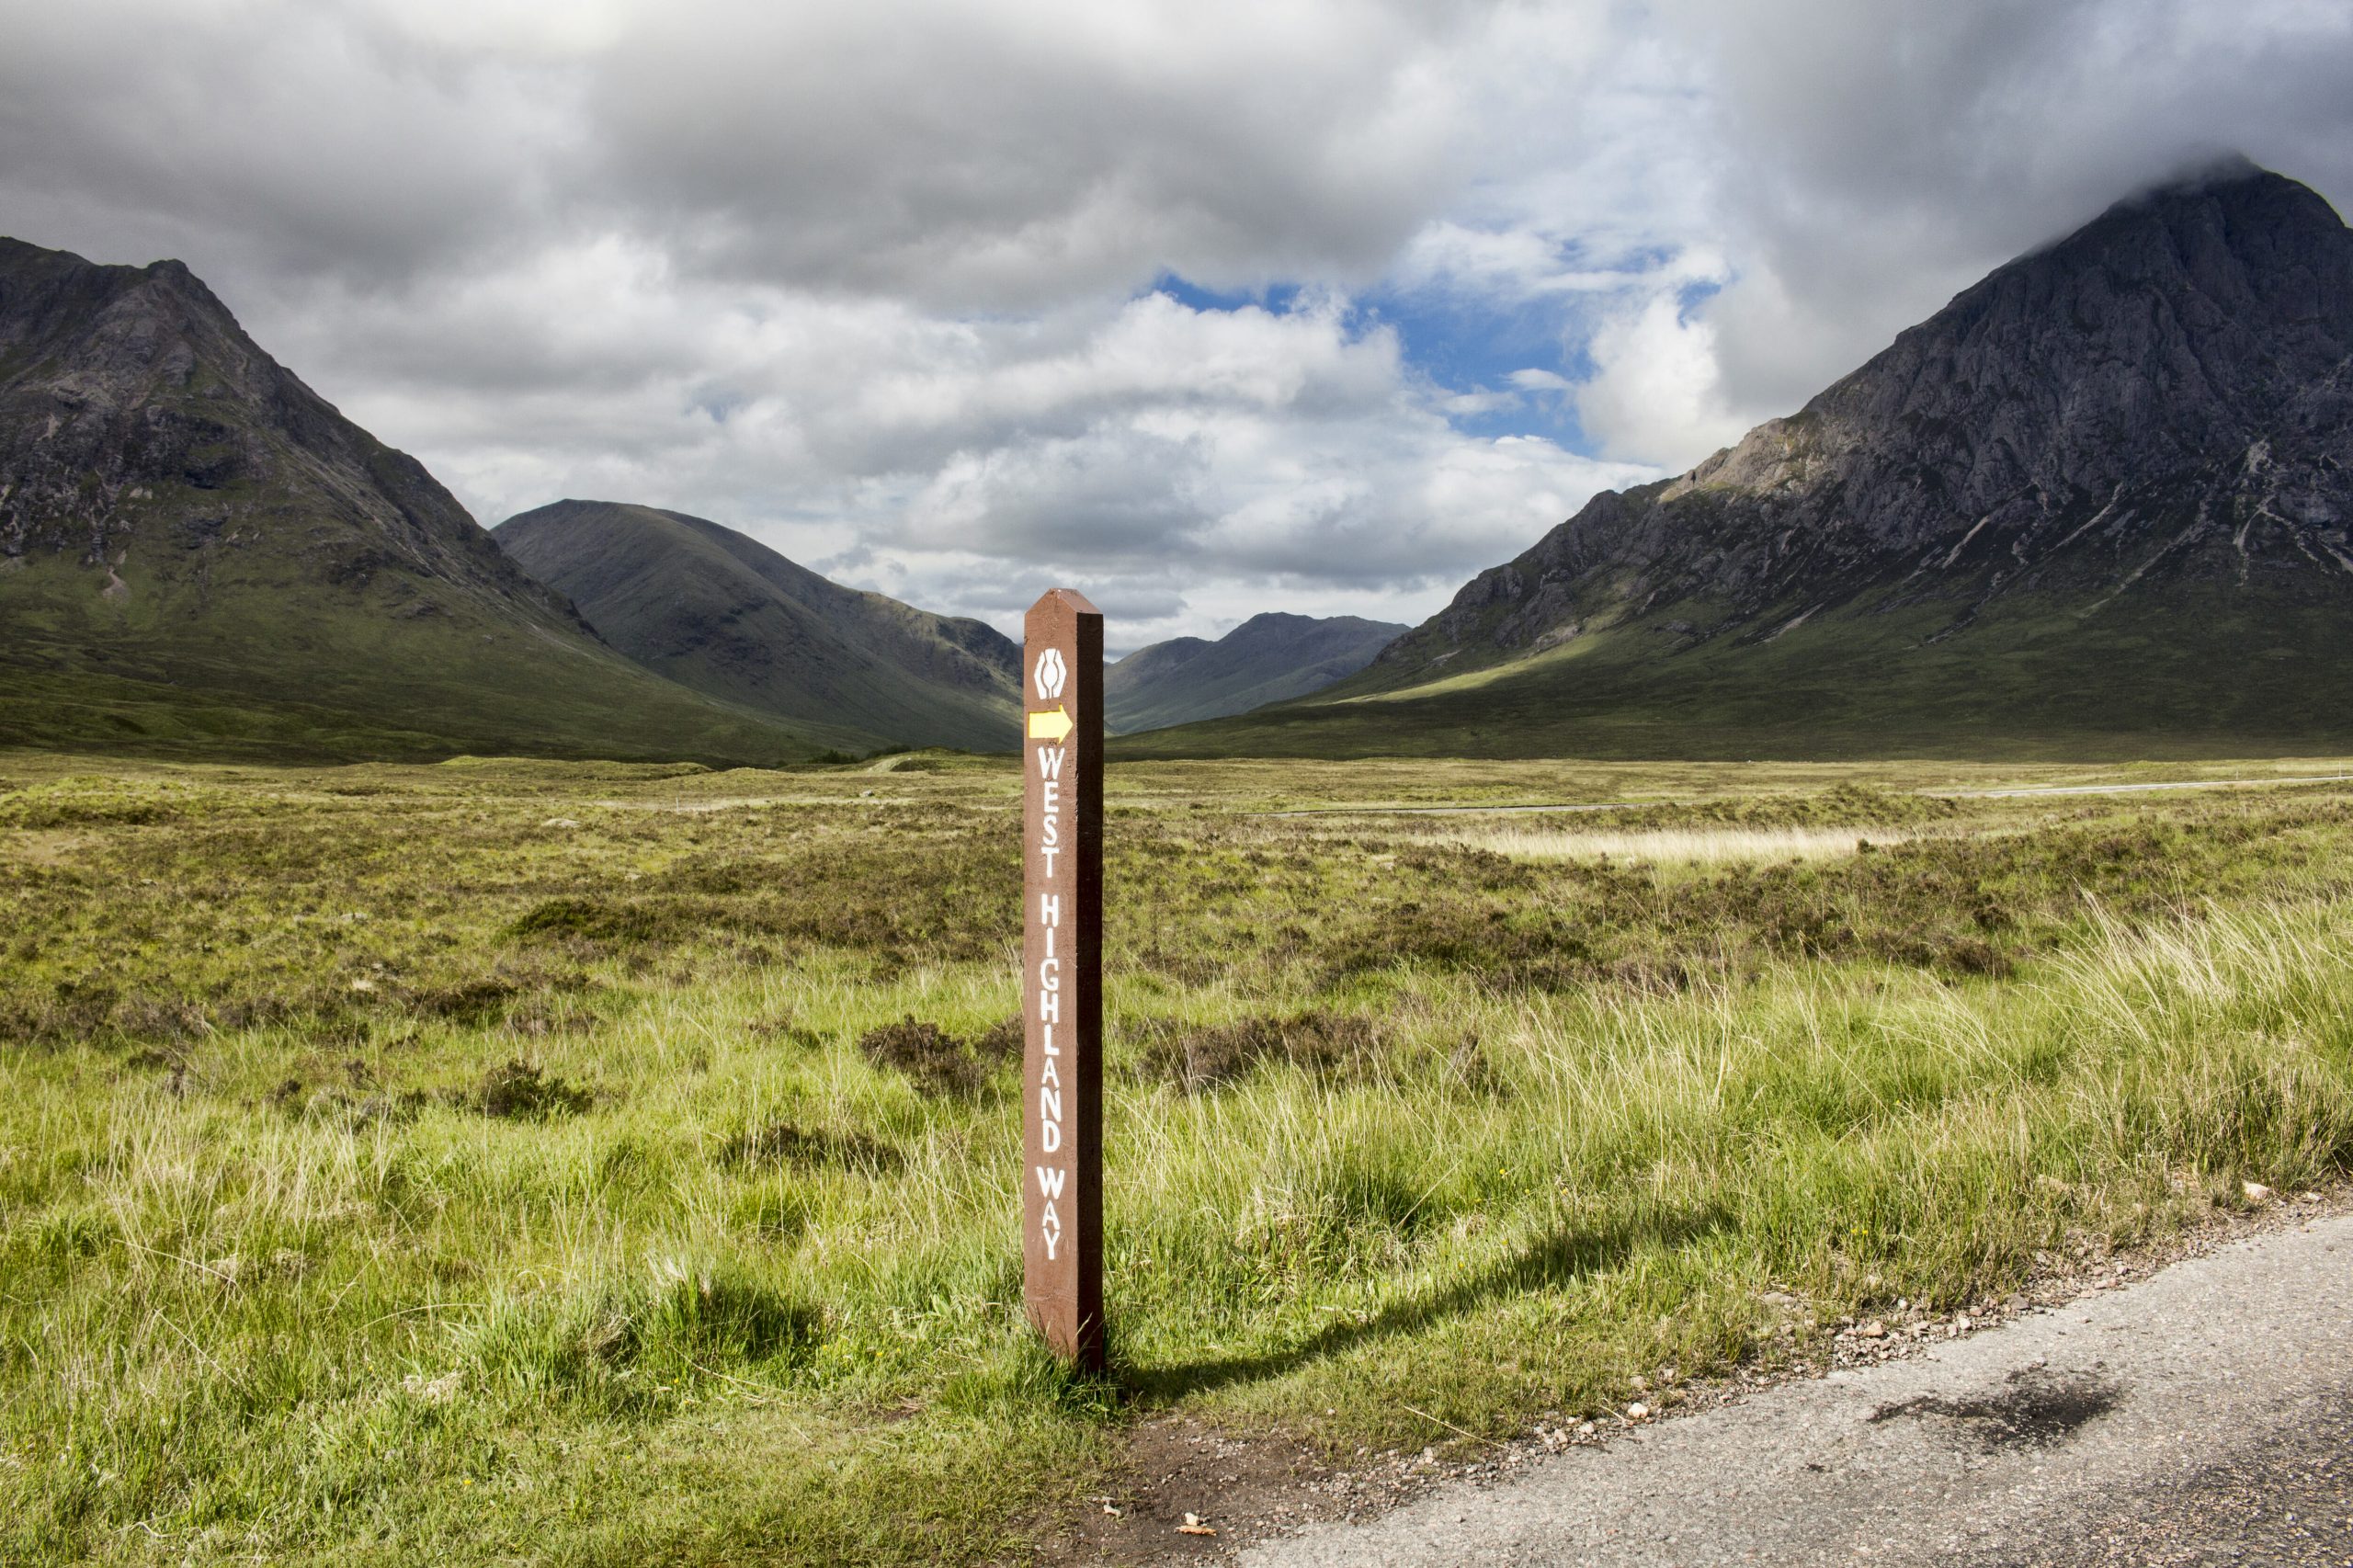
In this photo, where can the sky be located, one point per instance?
(1204, 307)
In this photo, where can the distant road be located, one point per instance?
(1936, 794)
(2204, 1416)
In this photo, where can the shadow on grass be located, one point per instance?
(1555, 1259)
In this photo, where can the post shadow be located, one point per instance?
(1563, 1256)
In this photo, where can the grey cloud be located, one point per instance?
(1010, 155)
(286, 142)
(1884, 155)
(1114, 498)
(1842, 167)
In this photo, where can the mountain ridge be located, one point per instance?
(2126, 450)
(198, 551)
(717, 611)
(1268, 658)
(1776, 453)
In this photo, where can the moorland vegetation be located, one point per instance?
(597, 1162)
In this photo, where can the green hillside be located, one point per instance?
(219, 669)
(723, 614)
(199, 554)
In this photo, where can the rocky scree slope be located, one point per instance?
(198, 551)
(716, 610)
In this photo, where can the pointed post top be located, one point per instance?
(1064, 598)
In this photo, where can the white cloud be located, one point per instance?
(1005, 155)
(874, 280)
(1658, 388)
(1217, 456)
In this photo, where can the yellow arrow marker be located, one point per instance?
(1051, 726)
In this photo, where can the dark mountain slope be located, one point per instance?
(2097, 502)
(724, 614)
(198, 551)
(1266, 659)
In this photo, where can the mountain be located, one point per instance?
(1266, 659)
(197, 553)
(2097, 504)
(723, 613)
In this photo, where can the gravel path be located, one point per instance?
(2204, 1416)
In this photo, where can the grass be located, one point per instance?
(602, 1163)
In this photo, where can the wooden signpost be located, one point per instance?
(1061, 968)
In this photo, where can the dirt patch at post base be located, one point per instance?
(1244, 1488)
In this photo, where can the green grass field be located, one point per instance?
(514, 1161)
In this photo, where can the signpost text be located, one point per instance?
(1061, 895)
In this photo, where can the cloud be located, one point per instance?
(1883, 154)
(270, 139)
(891, 284)
(1218, 455)
(1657, 386)
(1004, 156)
(1832, 171)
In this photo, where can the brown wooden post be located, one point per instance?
(1062, 970)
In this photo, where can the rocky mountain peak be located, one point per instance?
(2161, 395)
(121, 336)
(1272, 656)
(135, 413)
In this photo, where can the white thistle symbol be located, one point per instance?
(1049, 674)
